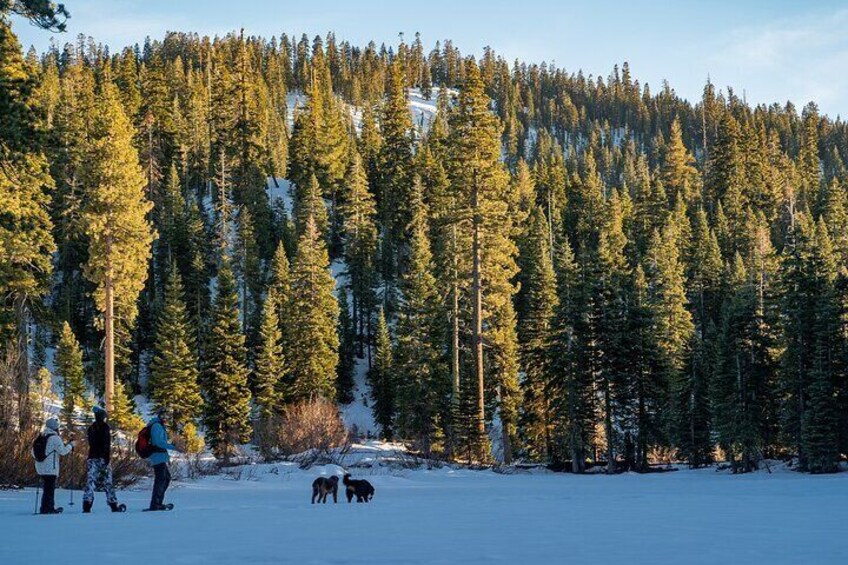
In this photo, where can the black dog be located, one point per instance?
(362, 489)
(322, 486)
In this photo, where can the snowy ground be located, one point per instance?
(451, 516)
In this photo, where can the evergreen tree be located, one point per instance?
(381, 377)
(309, 203)
(26, 241)
(537, 303)
(395, 175)
(370, 143)
(571, 389)
(735, 393)
(645, 388)
(270, 361)
(225, 373)
(820, 420)
(302, 147)
(672, 321)
(194, 268)
(422, 383)
(611, 301)
(835, 214)
(173, 385)
(123, 415)
(820, 434)
(725, 185)
(311, 324)
(703, 291)
(115, 218)
(170, 225)
(809, 165)
(347, 352)
(679, 175)
(480, 184)
(360, 248)
(248, 271)
(69, 368)
(279, 284)
(809, 323)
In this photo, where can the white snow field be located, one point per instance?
(448, 516)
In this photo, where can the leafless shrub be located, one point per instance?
(311, 428)
(195, 466)
(661, 455)
(16, 464)
(127, 467)
(241, 473)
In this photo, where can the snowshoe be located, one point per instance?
(118, 507)
(160, 508)
(54, 511)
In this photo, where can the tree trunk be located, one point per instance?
(357, 324)
(455, 391)
(110, 344)
(22, 357)
(642, 449)
(577, 459)
(477, 298)
(507, 444)
(608, 429)
(455, 327)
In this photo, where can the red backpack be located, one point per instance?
(143, 444)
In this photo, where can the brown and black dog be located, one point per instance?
(322, 486)
(361, 489)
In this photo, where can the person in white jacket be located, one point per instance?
(48, 468)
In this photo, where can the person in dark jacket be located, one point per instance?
(159, 460)
(98, 467)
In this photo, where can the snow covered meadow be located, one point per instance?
(262, 514)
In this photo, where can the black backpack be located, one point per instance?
(39, 447)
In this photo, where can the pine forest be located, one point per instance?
(554, 268)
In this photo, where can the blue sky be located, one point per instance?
(774, 50)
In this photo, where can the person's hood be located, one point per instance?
(154, 420)
(99, 414)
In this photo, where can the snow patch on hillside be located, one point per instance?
(357, 416)
(282, 191)
(294, 100)
(421, 109)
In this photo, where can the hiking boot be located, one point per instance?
(86, 507)
(118, 507)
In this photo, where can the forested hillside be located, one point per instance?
(574, 269)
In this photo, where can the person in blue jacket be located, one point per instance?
(159, 460)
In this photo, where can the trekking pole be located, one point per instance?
(73, 475)
(37, 488)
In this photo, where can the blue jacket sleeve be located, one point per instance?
(159, 438)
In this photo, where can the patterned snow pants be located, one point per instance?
(99, 474)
